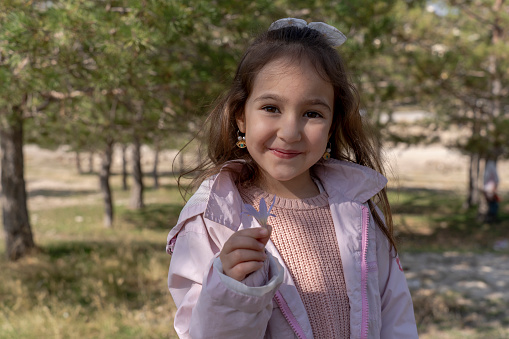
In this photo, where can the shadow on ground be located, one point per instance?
(90, 273)
(59, 193)
(435, 220)
(154, 216)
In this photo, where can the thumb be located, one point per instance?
(265, 239)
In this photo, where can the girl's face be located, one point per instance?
(287, 119)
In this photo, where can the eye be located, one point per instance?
(271, 109)
(312, 114)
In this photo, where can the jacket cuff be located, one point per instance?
(254, 285)
(236, 295)
(258, 277)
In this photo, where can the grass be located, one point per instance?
(92, 282)
(435, 220)
(89, 281)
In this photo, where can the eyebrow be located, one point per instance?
(275, 97)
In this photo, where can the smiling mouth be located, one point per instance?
(284, 154)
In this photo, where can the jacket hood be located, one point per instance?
(355, 182)
(219, 200)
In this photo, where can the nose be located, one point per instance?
(290, 129)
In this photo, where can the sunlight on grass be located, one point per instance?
(92, 282)
(89, 281)
(88, 289)
(434, 220)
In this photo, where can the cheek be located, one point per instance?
(320, 138)
(257, 131)
(256, 140)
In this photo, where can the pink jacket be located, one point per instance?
(267, 304)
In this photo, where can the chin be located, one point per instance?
(284, 177)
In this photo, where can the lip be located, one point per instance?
(284, 153)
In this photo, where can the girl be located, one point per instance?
(289, 132)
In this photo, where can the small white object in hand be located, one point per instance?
(263, 214)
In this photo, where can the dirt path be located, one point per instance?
(463, 290)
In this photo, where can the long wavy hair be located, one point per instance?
(351, 136)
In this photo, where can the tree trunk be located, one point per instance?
(473, 197)
(136, 201)
(473, 182)
(19, 238)
(482, 207)
(91, 162)
(496, 102)
(78, 163)
(104, 179)
(155, 174)
(124, 167)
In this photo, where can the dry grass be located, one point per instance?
(96, 283)
(88, 281)
(85, 280)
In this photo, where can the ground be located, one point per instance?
(459, 283)
(457, 293)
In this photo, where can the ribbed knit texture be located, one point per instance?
(303, 232)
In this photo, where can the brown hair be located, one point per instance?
(350, 140)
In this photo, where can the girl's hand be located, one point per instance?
(244, 252)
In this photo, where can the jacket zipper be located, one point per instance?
(364, 273)
(290, 318)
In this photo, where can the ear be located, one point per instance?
(241, 122)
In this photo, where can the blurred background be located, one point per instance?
(97, 97)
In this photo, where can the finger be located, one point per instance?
(242, 255)
(265, 239)
(241, 270)
(236, 241)
(243, 242)
(255, 232)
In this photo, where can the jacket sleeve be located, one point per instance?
(209, 303)
(397, 312)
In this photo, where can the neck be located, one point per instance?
(301, 187)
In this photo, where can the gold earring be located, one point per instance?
(326, 155)
(242, 140)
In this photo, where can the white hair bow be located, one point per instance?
(333, 36)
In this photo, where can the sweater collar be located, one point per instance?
(339, 178)
(219, 199)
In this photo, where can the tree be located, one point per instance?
(27, 86)
(458, 68)
(19, 238)
(91, 74)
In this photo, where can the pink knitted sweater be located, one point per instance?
(303, 232)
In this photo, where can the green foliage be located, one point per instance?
(152, 68)
(458, 69)
(25, 53)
